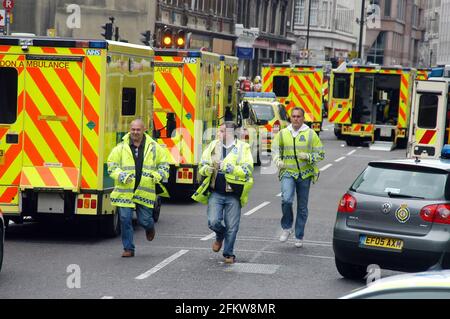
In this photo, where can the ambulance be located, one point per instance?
(193, 91)
(430, 118)
(372, 104)
(297, 86)
(66, 104)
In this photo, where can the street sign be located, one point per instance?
(8, 5)
(2, 18)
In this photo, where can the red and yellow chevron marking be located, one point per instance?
(306, 92)
(360, 128)
(9, 195)
(404, 108)
(426, 137)
(339, 115)
(176, 93)
(268, 73)
(422, 75)
(47, 177)
(326, 89)
(57, 109)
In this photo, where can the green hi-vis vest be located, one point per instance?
(286, 148)
(238, 169)
(121, 162)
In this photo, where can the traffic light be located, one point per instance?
(167, 38)
(108, 34)
(181, 39)
(147, 38)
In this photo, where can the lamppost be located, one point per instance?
(361, 28)
(308, 30)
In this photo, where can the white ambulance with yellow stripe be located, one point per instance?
(193, 90)
(430, 118)
(65, 104)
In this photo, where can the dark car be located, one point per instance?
(2, 238)
(396, 215)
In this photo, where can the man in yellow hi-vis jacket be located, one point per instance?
(227, 165)
(296, 151)
(138, 166)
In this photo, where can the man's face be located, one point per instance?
(226, 135)
(297, 118)
(137, 131)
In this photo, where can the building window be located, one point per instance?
(8, 91)
(401, 9)
(299, 12)
(387, 8)
(324, 15)
(376, 52)
(314, 12)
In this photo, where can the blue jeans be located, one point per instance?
(145, 219)
(290, 186)
(224, 217)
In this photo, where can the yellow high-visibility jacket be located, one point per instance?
(121, 167)
(238, 169)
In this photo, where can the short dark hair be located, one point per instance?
(229, 124)
(298, 109)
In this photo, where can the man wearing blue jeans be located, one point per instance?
(296, 151)
(138, 165)
(227, 165)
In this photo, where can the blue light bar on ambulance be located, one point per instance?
(436, 73)
(260, 95)
(98, 44)
(446, 152)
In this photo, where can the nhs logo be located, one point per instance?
(93, 52)
(190, 60)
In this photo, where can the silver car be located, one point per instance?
(397, 216)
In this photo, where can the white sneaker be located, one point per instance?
(299, 243)
(285, 235)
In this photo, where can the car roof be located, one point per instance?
(442, 164)
(429, 279)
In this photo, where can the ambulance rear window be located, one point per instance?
(281, 86)
(128, 102)
(341, 87)
(8, 93)
(428, 110)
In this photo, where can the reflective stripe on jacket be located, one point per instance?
(286, 148)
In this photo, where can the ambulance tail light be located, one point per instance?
(180, 174)
(80, 203)
(94, 204)
(347, 205)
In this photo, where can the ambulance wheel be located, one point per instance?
(110, 225)
(6, 223)
(157, 209)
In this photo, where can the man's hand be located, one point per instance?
(130, 179)
(209, 170)
(156, 177)
(280, 164)
(126, 178)
(303, 156)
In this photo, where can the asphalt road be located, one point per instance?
(41, 260)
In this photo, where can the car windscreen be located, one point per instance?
(264, 112)
(402, 182)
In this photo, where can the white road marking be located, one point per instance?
(107, 297)
(351, 153)
(254, 210)
(162, 265)
(323, 169)
(340, 159)
(210, 236)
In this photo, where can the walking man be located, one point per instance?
(138, 166)
(296, 151)
(227, 165)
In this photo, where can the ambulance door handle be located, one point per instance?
(12, 139)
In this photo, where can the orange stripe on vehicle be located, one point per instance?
(31, 151)
(77, 51)
(47, 177)
(304, 89)
(49, 50)
(4, 48)
(47, 133)
(268, 75)
(304, 105)
(189, 76)
(55, 103)
(72, 87)
(3, 132)
(346, 117)
(405, 81)
(312, 86)
(91, 114)
(335, 116)
(72, 174)
(93, 75)
(90, 156)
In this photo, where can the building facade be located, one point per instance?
(443, 56)
(333, 33)
(398, 37)
(55, 17)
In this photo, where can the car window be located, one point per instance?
(283, 113)
(382, 181)
(264, 112)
